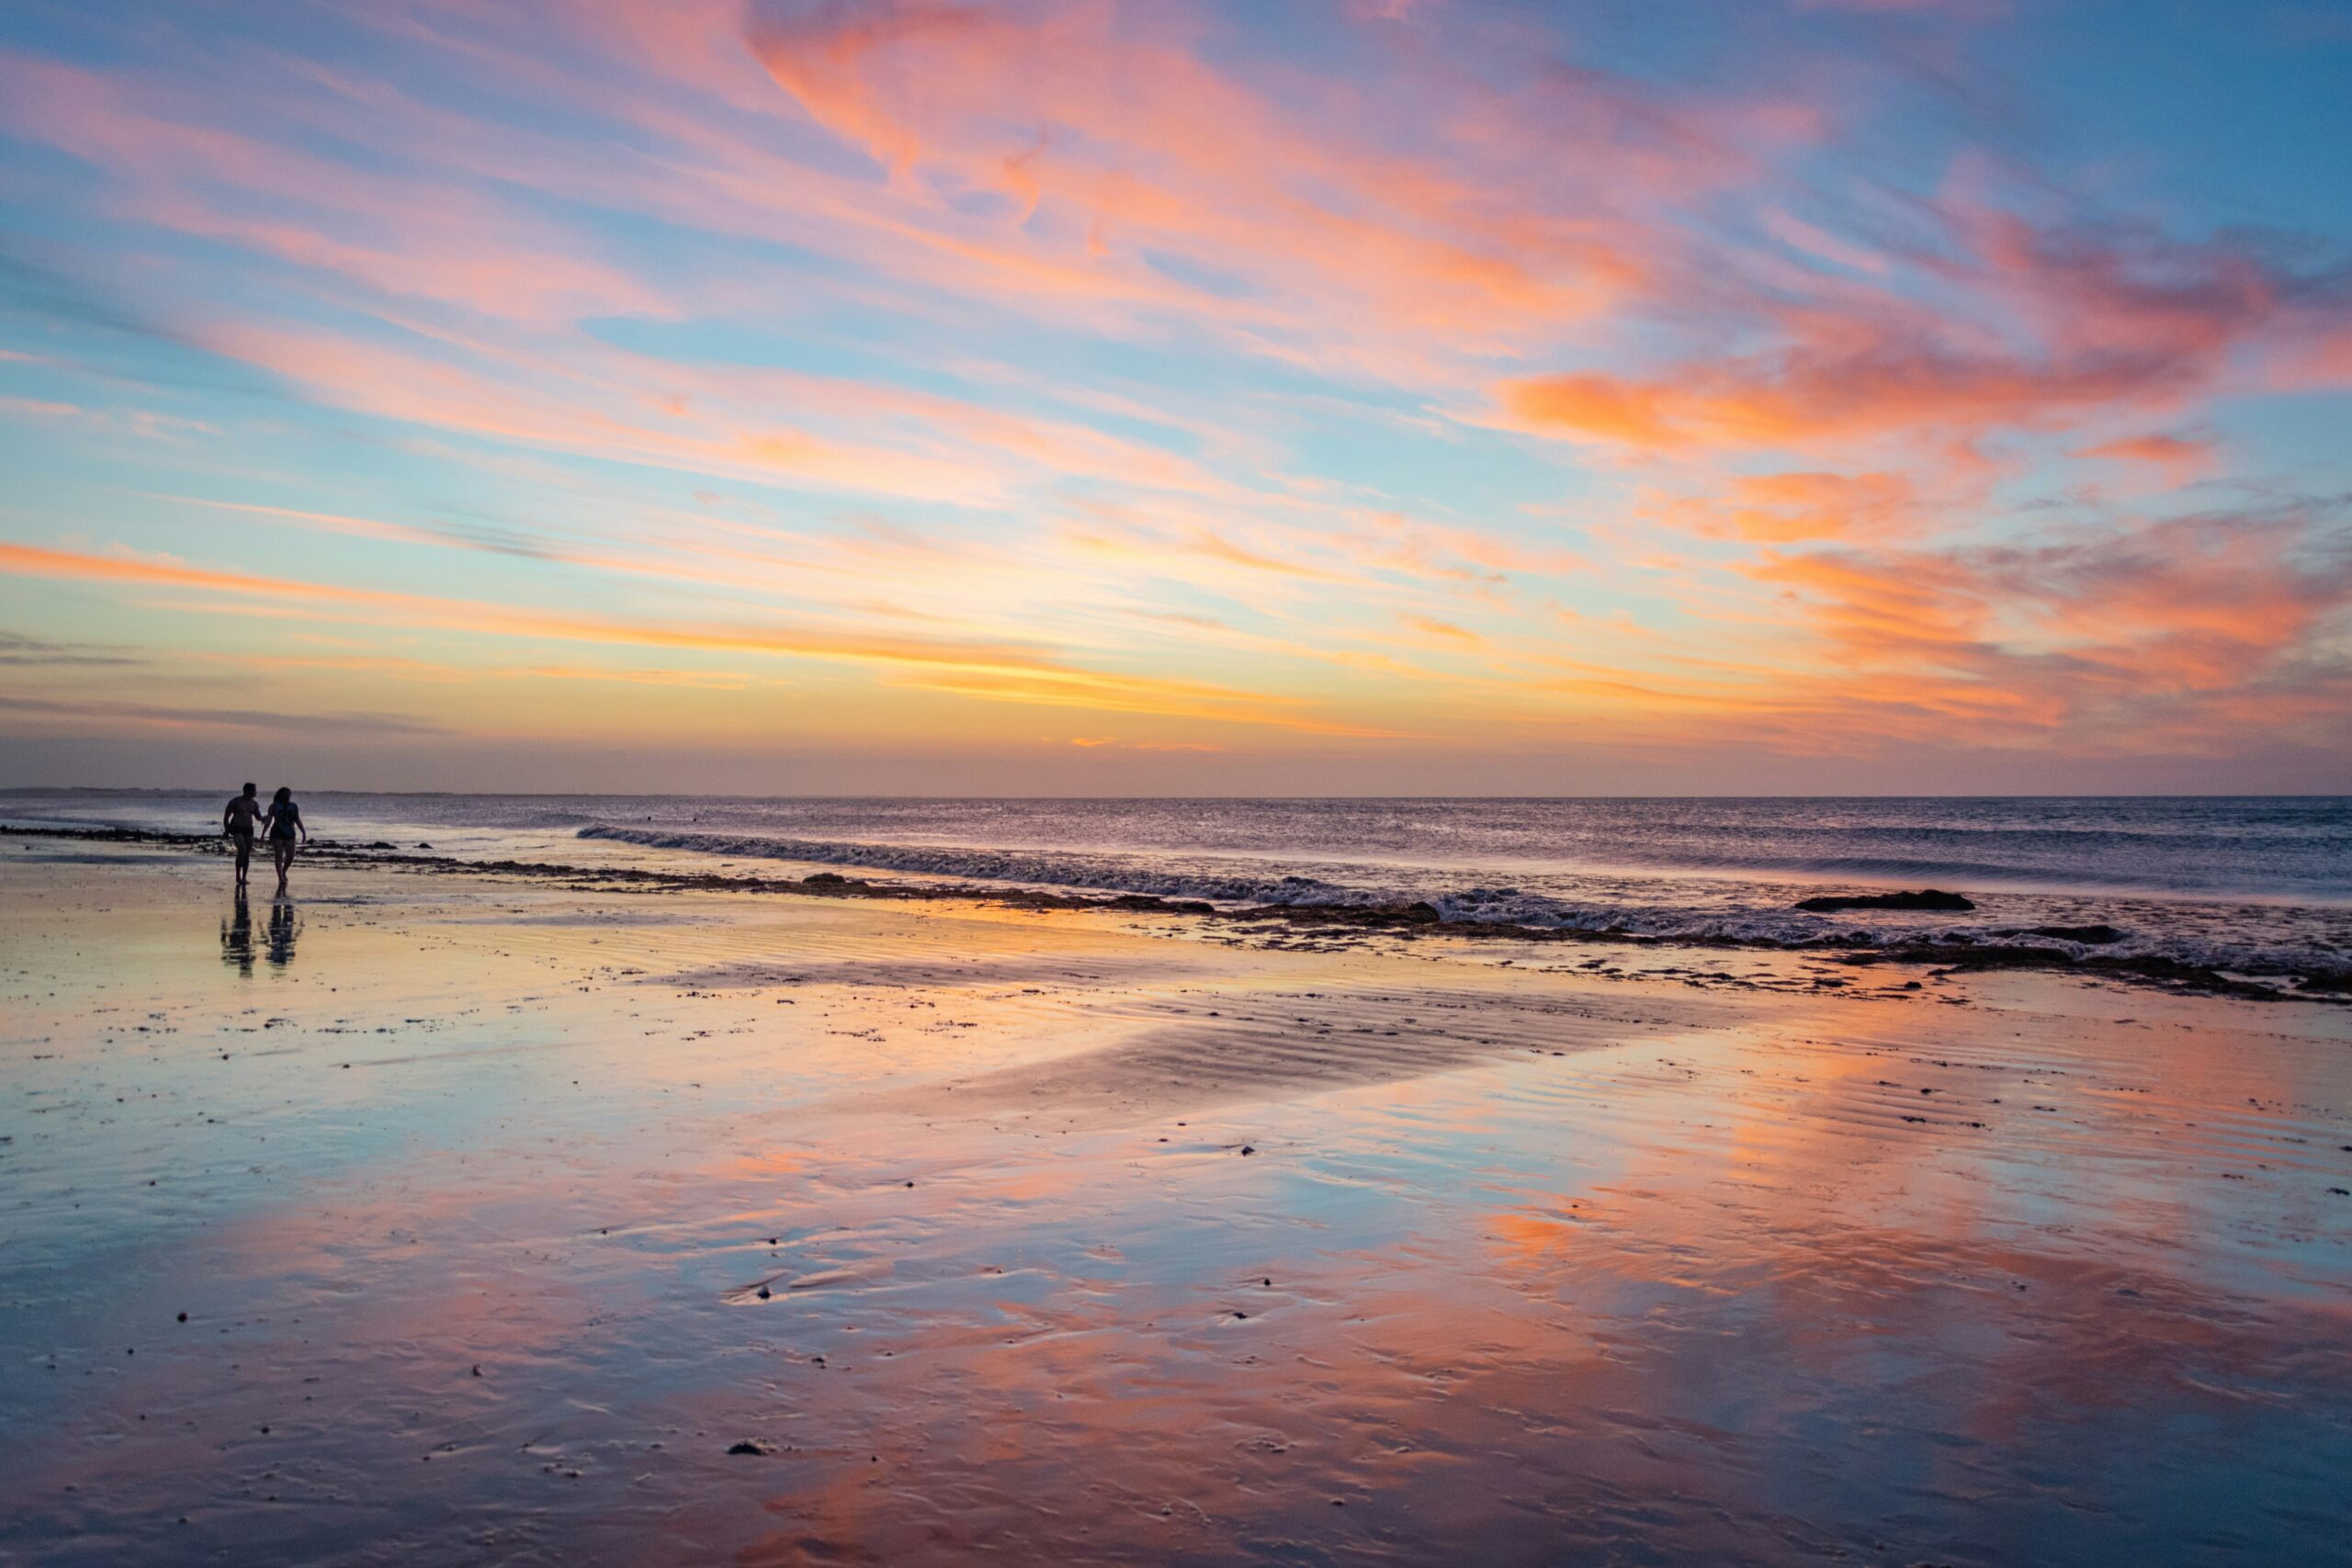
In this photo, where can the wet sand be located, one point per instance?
(501, 1213)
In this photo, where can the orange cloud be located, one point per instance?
(1792, 508)
(2183, 625)
(1851, 383)
(2044, 330)
(1442, 631)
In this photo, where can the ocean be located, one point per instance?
(2255, 886)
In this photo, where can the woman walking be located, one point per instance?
(285, 821)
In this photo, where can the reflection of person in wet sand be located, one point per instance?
(237, 822)
(284, 822)
(282, 928)
(237, 937)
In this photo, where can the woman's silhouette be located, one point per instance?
(285, 821)
(282, 930)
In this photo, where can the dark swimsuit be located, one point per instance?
(284, 826)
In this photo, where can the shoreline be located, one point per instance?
(1403, 921)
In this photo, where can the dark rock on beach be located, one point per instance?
(1929, 899)
(1152, 904)
(2089, 936)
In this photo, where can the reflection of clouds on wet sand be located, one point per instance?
(1519, 1268)
(1258, 1044)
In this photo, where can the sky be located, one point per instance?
(1075, 397)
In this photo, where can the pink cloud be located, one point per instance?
(1501, 217)
(1790, 508)
(2180, 459)
(1844, 382)
(396, 233)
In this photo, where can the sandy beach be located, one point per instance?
(440, 1219)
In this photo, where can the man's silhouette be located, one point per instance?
(237, 938)
(237, 821)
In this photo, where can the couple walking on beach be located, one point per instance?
(244, 818)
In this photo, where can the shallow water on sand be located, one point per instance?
(471, 1193)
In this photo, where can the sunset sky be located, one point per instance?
(1406, 396)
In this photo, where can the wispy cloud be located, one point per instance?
(43, 654)
(998, 671)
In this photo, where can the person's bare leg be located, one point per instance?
(284, 849)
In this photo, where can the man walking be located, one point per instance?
(237, 822)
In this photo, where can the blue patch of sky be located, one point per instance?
(1450, 472)
(2297, 439)
(2224, 113)
(1222, 283)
